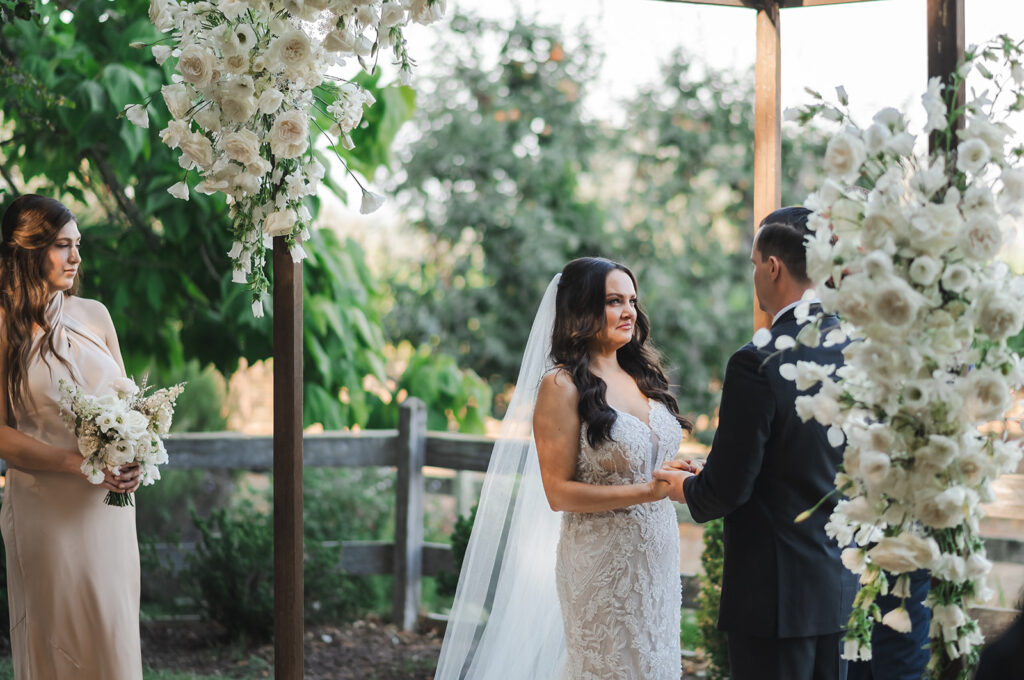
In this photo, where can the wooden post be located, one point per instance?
(412, 449)
(288, 584)
(767, 125)
(946, 47)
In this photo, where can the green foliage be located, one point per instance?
(708, 600)
(447, 581)
(159, 264)
(203, 408)
(451, 394)
(491, 184)
(232, 571)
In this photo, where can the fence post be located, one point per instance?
(412, 447)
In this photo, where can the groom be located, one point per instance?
(785, 593)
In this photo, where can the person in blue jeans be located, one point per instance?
(894, 655)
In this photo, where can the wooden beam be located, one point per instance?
(759, 4)
(288, 583)
(767, 126)
(946, 46)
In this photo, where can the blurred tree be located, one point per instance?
(509, 179)
(158, 263)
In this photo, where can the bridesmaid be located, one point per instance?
(72, 561)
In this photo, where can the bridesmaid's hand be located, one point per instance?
(126, 481)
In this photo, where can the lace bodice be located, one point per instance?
(618, 571)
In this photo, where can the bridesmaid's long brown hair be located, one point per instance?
(30, 226)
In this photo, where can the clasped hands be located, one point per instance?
(669, 479)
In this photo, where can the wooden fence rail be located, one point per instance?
(409, 449)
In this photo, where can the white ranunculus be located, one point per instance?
(270, 100)
(197, 65)
(934, 106)
(972, 156)
(198, 149)
(242, 146)
(898, 619)
(279, 223)
(904, 553)
(1000, 316)
(895, 303)
(289, 137)
(427, 11)
(391, 14)
(925, 270)
(956, 278)
(178, 98)
(236, 99)
(844, 156)
(986, 395)
(209, 117)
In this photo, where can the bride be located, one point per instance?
(572, 570)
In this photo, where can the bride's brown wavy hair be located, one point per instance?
(30, 226)
(579, 316)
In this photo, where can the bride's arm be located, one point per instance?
(556, 430)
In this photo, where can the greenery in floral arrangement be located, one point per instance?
(709, 598)
(905, 249)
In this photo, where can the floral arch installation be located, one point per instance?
(945, 40)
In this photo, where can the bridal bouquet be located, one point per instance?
(252, 80)
(905, 250)
(119, 429)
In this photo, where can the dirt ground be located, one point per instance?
(363, 650)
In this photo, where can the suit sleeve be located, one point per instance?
(744, 425)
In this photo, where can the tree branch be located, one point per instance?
(127, 207)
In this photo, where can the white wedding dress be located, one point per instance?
(617, 572)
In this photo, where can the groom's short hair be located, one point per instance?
(782, 234)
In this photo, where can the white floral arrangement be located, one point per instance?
(120, 428)
(904, 249)
(252, 77)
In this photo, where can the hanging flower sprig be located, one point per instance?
(251, 78)
(905, 249)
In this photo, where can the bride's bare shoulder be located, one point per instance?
(87, 309)
(558, 383)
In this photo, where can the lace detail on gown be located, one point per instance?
(618, 571)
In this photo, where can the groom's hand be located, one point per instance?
(687, 465)
(675, 478)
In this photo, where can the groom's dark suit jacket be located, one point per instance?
(780, 579)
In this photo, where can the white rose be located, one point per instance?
(874, 467)
(391, 14)
(247, 183)
(986, 395)
(895, 303)
(935, 228)
(981, 238)
(279, 223)
(903, 553)
(178, 98)
(819, 255)
(237, 62)
(844, 155)
(427, 11)
(135, 424)
(197, 65)
(972, 156)
(878, 265)
(242, 146)
(270, 100)
(161, 15)
(809, 374)
(941, 510)
(340, 40)
(1000, 316)
(198, 149)
(289, 136)
(290, 52)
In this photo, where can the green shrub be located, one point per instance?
(708, 600)
(447, 581)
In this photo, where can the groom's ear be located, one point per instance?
(775, 267)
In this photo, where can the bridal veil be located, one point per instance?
(506, 621)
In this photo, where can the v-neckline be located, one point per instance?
(650, 411)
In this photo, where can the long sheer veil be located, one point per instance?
(506, 622)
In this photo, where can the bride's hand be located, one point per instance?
(659, 489)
